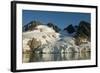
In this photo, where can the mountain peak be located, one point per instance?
(70, 29)
(31, 25)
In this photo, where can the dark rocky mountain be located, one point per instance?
(55, 27)
(83, 32)
(70, 29)
(30, 26)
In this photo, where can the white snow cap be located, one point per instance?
(44, 28)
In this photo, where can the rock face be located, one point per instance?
(83, 33)
(34, 44)
(56, 28)
(70, 29)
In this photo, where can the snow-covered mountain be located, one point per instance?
(42, 34)
(44, 39)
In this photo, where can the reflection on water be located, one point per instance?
(34, 57)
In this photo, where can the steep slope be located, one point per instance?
(55, 27)
(83, 32)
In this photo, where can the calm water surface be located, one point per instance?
(34, 57)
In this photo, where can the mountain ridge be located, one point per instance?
(81, 30)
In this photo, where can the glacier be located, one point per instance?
(44, 39)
